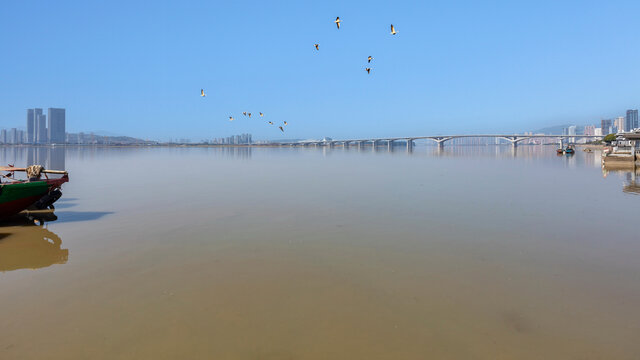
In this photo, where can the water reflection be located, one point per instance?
(629, 173)
(30, 247)
(51, 157)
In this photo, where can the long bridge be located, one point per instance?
(438, 139)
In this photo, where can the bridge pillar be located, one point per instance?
(360, 145)
(440, 145)
(374, 143)
(389, 145)
(409, 145)
(345, 144)
(332, 144)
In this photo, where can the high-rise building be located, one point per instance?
(618, 123)
(3, 136)
(13, 136)
(31, 126)
(56, 126)
(631, 120)
(41, 129)
(606, 125)
(589, 130)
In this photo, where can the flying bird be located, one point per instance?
(286, 123)
(369, 59)
(317, 46)
(393, 30)
(338, 22)
(261, 114)
(249, 114)
(280, 127)
(202, 93)
(368, 70)
(230, 118)
(270, 122)
(244, 113)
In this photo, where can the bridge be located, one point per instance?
(439, 140)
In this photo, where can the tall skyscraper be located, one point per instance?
(606, 126)
(619, 122)
(41, 129)
(13, 136)
(3, 136)
(56, 126)
(631, 120)
(31, 126)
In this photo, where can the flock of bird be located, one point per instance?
(337, 21)
(246, 113)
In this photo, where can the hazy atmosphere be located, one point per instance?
(319, 180)
(136, 67)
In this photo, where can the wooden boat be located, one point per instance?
(569, 150)
(34, 193)
(559, 151)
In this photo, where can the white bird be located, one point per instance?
(338, 22)
(202, 93)
(393, 30)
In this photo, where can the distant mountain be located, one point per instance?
(106, 133)
(552, 130)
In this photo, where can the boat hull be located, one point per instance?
(15, 197)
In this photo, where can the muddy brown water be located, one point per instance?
(203, 253)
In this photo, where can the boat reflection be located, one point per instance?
(30, 247)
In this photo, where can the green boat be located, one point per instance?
(34, 193)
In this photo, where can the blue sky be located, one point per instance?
(136, 67)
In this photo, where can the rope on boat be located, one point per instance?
(34, 172)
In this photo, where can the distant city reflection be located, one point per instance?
(51, 157)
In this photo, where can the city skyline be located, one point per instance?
(36, 123)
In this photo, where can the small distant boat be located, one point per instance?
(587, 150)
(560, 151)
(33, 194)
(569, 150)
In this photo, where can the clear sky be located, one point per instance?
(136, 67)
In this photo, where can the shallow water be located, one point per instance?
(249, 253)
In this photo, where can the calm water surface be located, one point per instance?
(203, 253)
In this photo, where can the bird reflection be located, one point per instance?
(30, 247)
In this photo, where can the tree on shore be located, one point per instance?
(609, 138)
